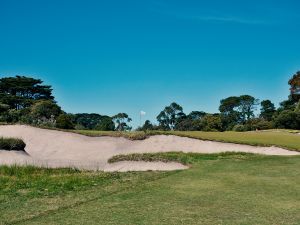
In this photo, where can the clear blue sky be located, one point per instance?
(126, 56)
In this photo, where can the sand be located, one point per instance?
(55, 149)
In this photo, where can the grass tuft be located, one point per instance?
(12, 144)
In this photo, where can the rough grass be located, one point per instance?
(10, 144)
(184, 158)
(135, 135)
(218, 189)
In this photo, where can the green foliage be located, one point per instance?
(147, 126)
(86, 120)
(259, 124)
(21, 92)
(45, 112)
(237, 110)
(211, 123)
(105, 124)
(294, 83)
(170, 116)
(267, 110)
(121, 120)
(240, 128)
(288, 119)
(12, 144)
(64, 121)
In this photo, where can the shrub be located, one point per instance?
(288, 119)
(105, 124)
(64, 121)
(211, 123)
(44, 112)
(239, 128)
(258, 124)
(12, 144)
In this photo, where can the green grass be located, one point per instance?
(12, 144)
(218, 189)
(278, 138)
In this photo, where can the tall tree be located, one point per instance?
(267, 110)
(294, 83)
(247, 105)
(170, 116)
(229, 114)
(237, 109)
(147, 126)
(196, 115)
(20, 91)
(121, 120)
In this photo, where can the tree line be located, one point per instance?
(27, 100)
(236, 113)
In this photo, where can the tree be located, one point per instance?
(147, 126)
(287, 105)
(121, 120)
(20, 91)
(170, 116)
(267, 110)
(105, 124)
(88, 120)
(247, 105)
(211, 122)
(288, 119)
(294, 83)
(196, 115)
(64, 121)
(229, 113)
(237, 109)
(3, 108)
(45, 111)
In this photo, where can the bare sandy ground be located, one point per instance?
(53, 148)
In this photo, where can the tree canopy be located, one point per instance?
(19, 92)
(294, 83)
(121, 120)
(170, 116)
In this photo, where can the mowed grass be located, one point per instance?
(218, 189)
(281, 138)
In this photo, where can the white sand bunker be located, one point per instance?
(62, 149)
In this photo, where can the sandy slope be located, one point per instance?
(62, 149)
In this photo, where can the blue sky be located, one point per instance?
(126, 56)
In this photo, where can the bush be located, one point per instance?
(211, 123)
(64, 121)
(239, 128)
(105, 124)
(263, 125)
(288, 119)
(259, 124)
(12, 144)
(44, 112)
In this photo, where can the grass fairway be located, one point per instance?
(281, 138)
(221, 189)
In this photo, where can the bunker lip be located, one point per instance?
(54, 148)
